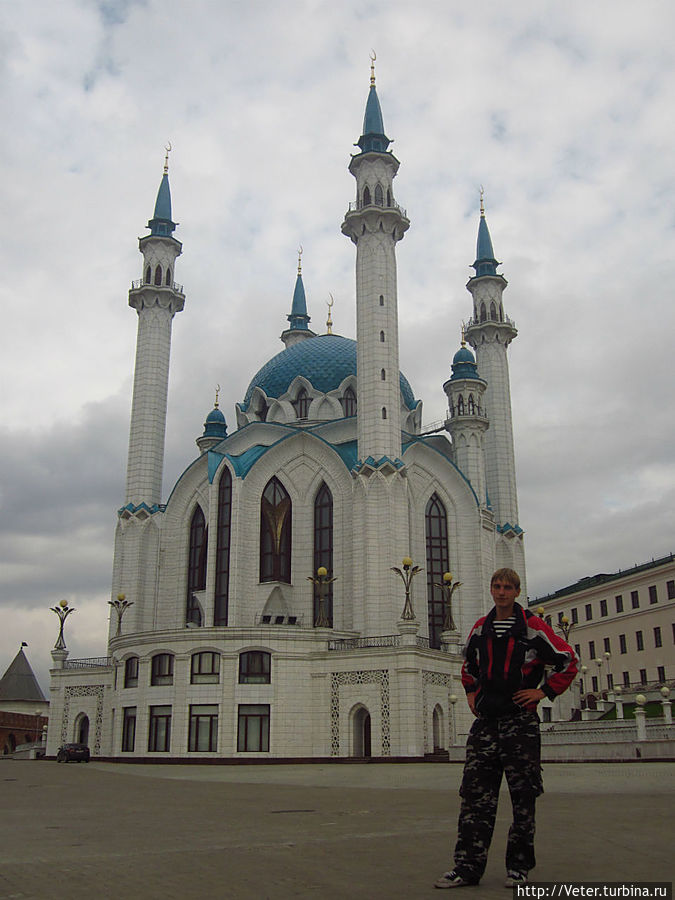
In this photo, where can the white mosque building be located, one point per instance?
(224, 646)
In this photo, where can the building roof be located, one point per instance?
(590, 581)
(324, 360)
(19, 681)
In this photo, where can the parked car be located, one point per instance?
(75, 752)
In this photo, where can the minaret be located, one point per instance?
(215, 428)
(467, 422)
(375, 222)
(490, 332)
(156, 298)
(298, 329)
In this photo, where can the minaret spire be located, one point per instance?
(298, 329)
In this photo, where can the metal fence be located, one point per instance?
(94, 662)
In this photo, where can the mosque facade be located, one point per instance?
(289, 599)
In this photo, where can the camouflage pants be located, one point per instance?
(509, 745)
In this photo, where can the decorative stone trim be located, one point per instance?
(376, 676)
(84, 690)
(446, 681)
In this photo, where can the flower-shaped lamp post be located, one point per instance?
(564, 626)
(407, 575)
(62, 611)
(321, 580)
(448, 589)
(121, 605)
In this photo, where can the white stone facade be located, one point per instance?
(225, 652)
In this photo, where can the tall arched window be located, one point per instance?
(471, 405)
(196, 567)
(275, 533)
(383, 375)
(493, 312)
(382, 337)
(302, 404)
(384, 412)
(349, 402)
(167, 280)
(460, 405)
(148, 275)
(223, 549)
(388, 197)
(366, 196)
(436, 529)
(379, 195)
(323, 546)
(483, 313)
(158, 275)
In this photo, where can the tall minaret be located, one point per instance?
(375, 223)
(157, 299)
(490, 332)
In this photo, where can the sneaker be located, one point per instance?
(453, 880)
(514, 878)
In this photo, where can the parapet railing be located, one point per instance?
(94, 662)
(355, 206)
(139, 283)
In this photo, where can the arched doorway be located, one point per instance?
(82, 729)
(361, 732)
(438, 728)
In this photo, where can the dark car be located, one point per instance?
(73, 752)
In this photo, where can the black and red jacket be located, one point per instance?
(496, 667)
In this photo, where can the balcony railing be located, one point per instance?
(386, 640)
(95, 662)
(356, 205)
(503, 321)
(139, 283)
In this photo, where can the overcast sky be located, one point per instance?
(564, 112)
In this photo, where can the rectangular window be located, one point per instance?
(661, 674)
(159, 734)
(610, 680)
(575, 615)
(622, 643)
(131, 672)
(577, 650)
(607, 645)
(619, 602)
(594, 683)
(129, 729)
(643, 676)
(639, 641)
(657, 637)
(634, 600)
(254, 667)
(162, 669)
(653, 596)
(253, 733)
(670, 587)
(561, 616)
(626, 679)
(203, 728)
(205, 668)
(591, 649)
(603, 608)
(589, 612)
(546, 714)
(548, 621)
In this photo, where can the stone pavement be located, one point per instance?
(307, 831)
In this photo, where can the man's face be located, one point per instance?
(504, 594)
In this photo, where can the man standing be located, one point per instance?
(503, 676)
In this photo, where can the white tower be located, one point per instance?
(468, 420)
(375, 222)
(490, 332)
(157, 299)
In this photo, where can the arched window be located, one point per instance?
(205, 668)
(301, 404)
(379, 195)
(148, 275)
(436, 532)
(383, 375)
(167, 280)
(223, 549)
(158, 275)
(254, 667)
(471, 405)
(349, 402)
(460, 405)
(381, 300)
(483, 313)
(323, 547)
(275, 533)
(382, 337)
(388, 197)
(131, 672)
(161, 671)
(262, 410)
(384, 412)
(196, 567)
(366, 196)
(493, 312)
(501, 313)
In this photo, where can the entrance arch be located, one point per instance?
(82, 729)
(438, 727)
(361, 732)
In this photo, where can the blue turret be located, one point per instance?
(485, 264)
(215, 428)
(298, 318)
(161, 224)
(464, 364)
(373, 139)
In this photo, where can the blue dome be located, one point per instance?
(464, 364)
(215, 424)
(463, 355)
(325, 361)
(215, 416)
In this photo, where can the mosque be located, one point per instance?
(288, 600)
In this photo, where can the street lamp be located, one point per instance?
(453, 699)
(321, 581)
(121, 605)
(448, 589)
(608, 656)
(62, 611)
(407, 575)
(564, 626)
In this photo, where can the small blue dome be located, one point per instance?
(464, 364)
(215, 425)
(463, 355)
(325, 361)
(215, 416)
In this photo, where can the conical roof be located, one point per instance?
(19, 681)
